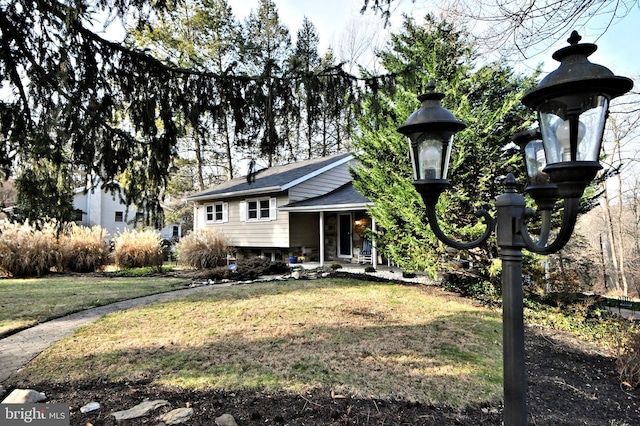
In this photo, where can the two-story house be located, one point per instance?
(307, 209)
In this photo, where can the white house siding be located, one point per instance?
(99, 209)
(264, 234)
(321, 184)
(111, 204)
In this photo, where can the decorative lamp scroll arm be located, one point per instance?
(433, 221)
(569, 217)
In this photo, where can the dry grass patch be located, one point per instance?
(366, 339)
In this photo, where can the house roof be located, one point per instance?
(342, 198)
(273, 179)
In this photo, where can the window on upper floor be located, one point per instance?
(119, 217)
(258, 209)
(217, 213)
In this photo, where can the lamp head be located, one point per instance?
(430, 130)
(572, 104)
(540, 187)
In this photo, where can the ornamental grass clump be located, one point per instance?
(628, 360)
(203, 249)
(83, 249)
(138, 249)
(26, 251)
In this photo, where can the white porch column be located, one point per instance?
(321, 248)
(374, 252)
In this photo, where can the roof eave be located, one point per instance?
(324, 208)
(235, 194)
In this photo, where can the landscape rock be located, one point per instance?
(92, 406)
(226, 420)
(139, 410)
(177, 416)
(24, 396)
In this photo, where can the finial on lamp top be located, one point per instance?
(431, 93)
(574, 38)
(431, 86)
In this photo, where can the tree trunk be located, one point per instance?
(610, 236)
(199, 164)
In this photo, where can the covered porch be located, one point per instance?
(332, 228)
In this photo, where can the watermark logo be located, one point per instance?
(34, 414)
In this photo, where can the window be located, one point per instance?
(119, 217)
(259, 209)
(77, 215)
(217, 213)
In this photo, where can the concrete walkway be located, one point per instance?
(20, 348)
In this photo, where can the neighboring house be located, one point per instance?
(307, 209)
(96, 207)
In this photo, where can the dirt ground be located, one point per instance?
(569, 383)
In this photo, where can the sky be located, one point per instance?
(618, 48)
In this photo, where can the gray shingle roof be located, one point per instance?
(271, 179)
(342, 196)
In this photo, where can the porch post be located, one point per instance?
(374, 252)
(321, 248)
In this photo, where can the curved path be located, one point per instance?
(18, 349)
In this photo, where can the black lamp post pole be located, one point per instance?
(510, 211)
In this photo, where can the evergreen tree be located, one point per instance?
(264, 53)
(485, 97)
(44, 192)
(306, 61)
(200, 35)
(111, 110)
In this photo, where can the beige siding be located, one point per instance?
(265, 234)
(321, 184)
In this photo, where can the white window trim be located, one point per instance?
(244, 209)
(225, 213)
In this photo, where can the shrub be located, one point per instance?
(26, 251)
(370, 269)
(472, 286)
(83, 249)
(146, 271)
(628, 361)
(247, 269)
(138, 249)
(203, 249)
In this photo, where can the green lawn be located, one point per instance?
(368, 339)
(25, 302)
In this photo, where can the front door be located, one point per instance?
(344, 235)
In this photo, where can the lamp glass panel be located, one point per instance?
(561, 116)
(594, 120)
(535, 162)
(430, 152)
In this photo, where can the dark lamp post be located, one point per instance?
(561, 160)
